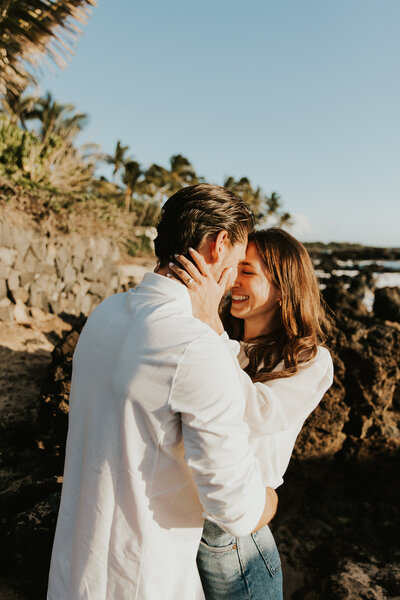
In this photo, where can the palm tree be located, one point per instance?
(118, 159)
(160, 183)
(244, 189)
(155, 187)
(30, 29)
(182, 173)
(265, 208)
(273, 203)
(132, 172)
(274, 209)
(18, 107)
(57, 118)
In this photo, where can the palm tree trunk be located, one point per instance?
(128, 196)
(157, 212)
(144, 211)
(48, 132)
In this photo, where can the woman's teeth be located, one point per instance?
(238, 298)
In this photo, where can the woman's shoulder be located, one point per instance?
(323, 355)
(321, 365)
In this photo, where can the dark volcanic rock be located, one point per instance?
(338, 525)
(52, 423)
(340, 298)
(387, 303)
(354, 582)
(31, 465)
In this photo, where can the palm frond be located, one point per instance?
(30, 29)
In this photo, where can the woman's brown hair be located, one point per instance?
(302, 320)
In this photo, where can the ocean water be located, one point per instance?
(391, 265)
(380, 279)
(391, 278)
(387, 280)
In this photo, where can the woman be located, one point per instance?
(275, 313)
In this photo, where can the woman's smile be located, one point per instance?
(239, 298)
(254, 297)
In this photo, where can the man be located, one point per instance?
(156, 440)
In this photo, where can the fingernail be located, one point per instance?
(168, 274)
(230, 269)
(171, 264)
(191, 249)
(176, 255)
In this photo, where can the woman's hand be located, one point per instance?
(205, 292)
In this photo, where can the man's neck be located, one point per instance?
(166, 272)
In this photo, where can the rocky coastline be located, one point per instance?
(338, 525)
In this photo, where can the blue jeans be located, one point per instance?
(244, 568)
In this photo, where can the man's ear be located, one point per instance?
(217, 246)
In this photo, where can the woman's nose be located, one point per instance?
(237, 281)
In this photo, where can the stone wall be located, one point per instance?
(70, 274)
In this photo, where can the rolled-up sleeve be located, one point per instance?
(207, 393)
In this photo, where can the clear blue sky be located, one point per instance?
(301, 96)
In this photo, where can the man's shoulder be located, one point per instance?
(110, 304)
(106, 312)
(186, 331)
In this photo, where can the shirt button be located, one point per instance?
(234, 547)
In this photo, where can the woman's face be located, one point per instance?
(253, 294)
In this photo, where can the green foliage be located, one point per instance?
(16, 146)
(18, 107)
(266, 209)
(53, 162)
(55, 119)
(139, 246)
(118, 159)
(131, 174)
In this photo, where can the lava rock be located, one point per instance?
(387, 303)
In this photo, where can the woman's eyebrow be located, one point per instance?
(246, 263)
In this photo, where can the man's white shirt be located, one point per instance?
(156, 443)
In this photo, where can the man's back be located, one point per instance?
(130, 517)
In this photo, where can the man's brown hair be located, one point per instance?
(198, 211)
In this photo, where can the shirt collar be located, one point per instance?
(159, 284)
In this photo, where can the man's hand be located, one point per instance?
(271, 504)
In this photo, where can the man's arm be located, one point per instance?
(207, 393)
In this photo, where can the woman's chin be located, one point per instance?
(238, 311)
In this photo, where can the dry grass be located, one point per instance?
(48, 213)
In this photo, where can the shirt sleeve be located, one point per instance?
(280, 404)
(207, 393)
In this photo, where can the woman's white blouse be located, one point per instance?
(276, 410)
